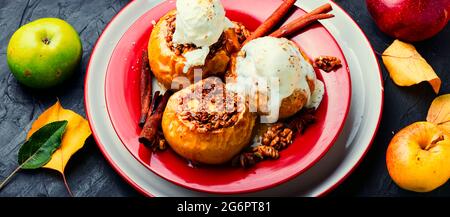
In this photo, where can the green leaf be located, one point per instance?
(38, 150)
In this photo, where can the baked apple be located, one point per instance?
(170, 59)
(206, 123)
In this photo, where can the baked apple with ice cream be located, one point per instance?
(277, 78)
(197, 35)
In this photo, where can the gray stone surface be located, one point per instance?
(89, 174)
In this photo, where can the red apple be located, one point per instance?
(410, 20)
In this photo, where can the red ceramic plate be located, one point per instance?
(122, 97)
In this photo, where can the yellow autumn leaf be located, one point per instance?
(77, 131)
(445, 127)
(439, 111)
(407, 67)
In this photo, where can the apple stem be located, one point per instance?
(434, 142)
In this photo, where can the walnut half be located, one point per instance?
(327, 63)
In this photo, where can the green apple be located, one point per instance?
(44, 53)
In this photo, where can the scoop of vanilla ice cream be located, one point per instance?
(200, 22)
(278, 68)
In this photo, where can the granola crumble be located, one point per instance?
(209, 107)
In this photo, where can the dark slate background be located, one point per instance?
(89, 174)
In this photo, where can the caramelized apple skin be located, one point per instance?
(293, 103)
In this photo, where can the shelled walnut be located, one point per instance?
(328, 63)
(264, 152)
(277, 136)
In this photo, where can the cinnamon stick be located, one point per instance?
(298, 24)
(275, 18)
(150, 130)
(155, 100)
(323, 9)
(303, 21)
(145, 88)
